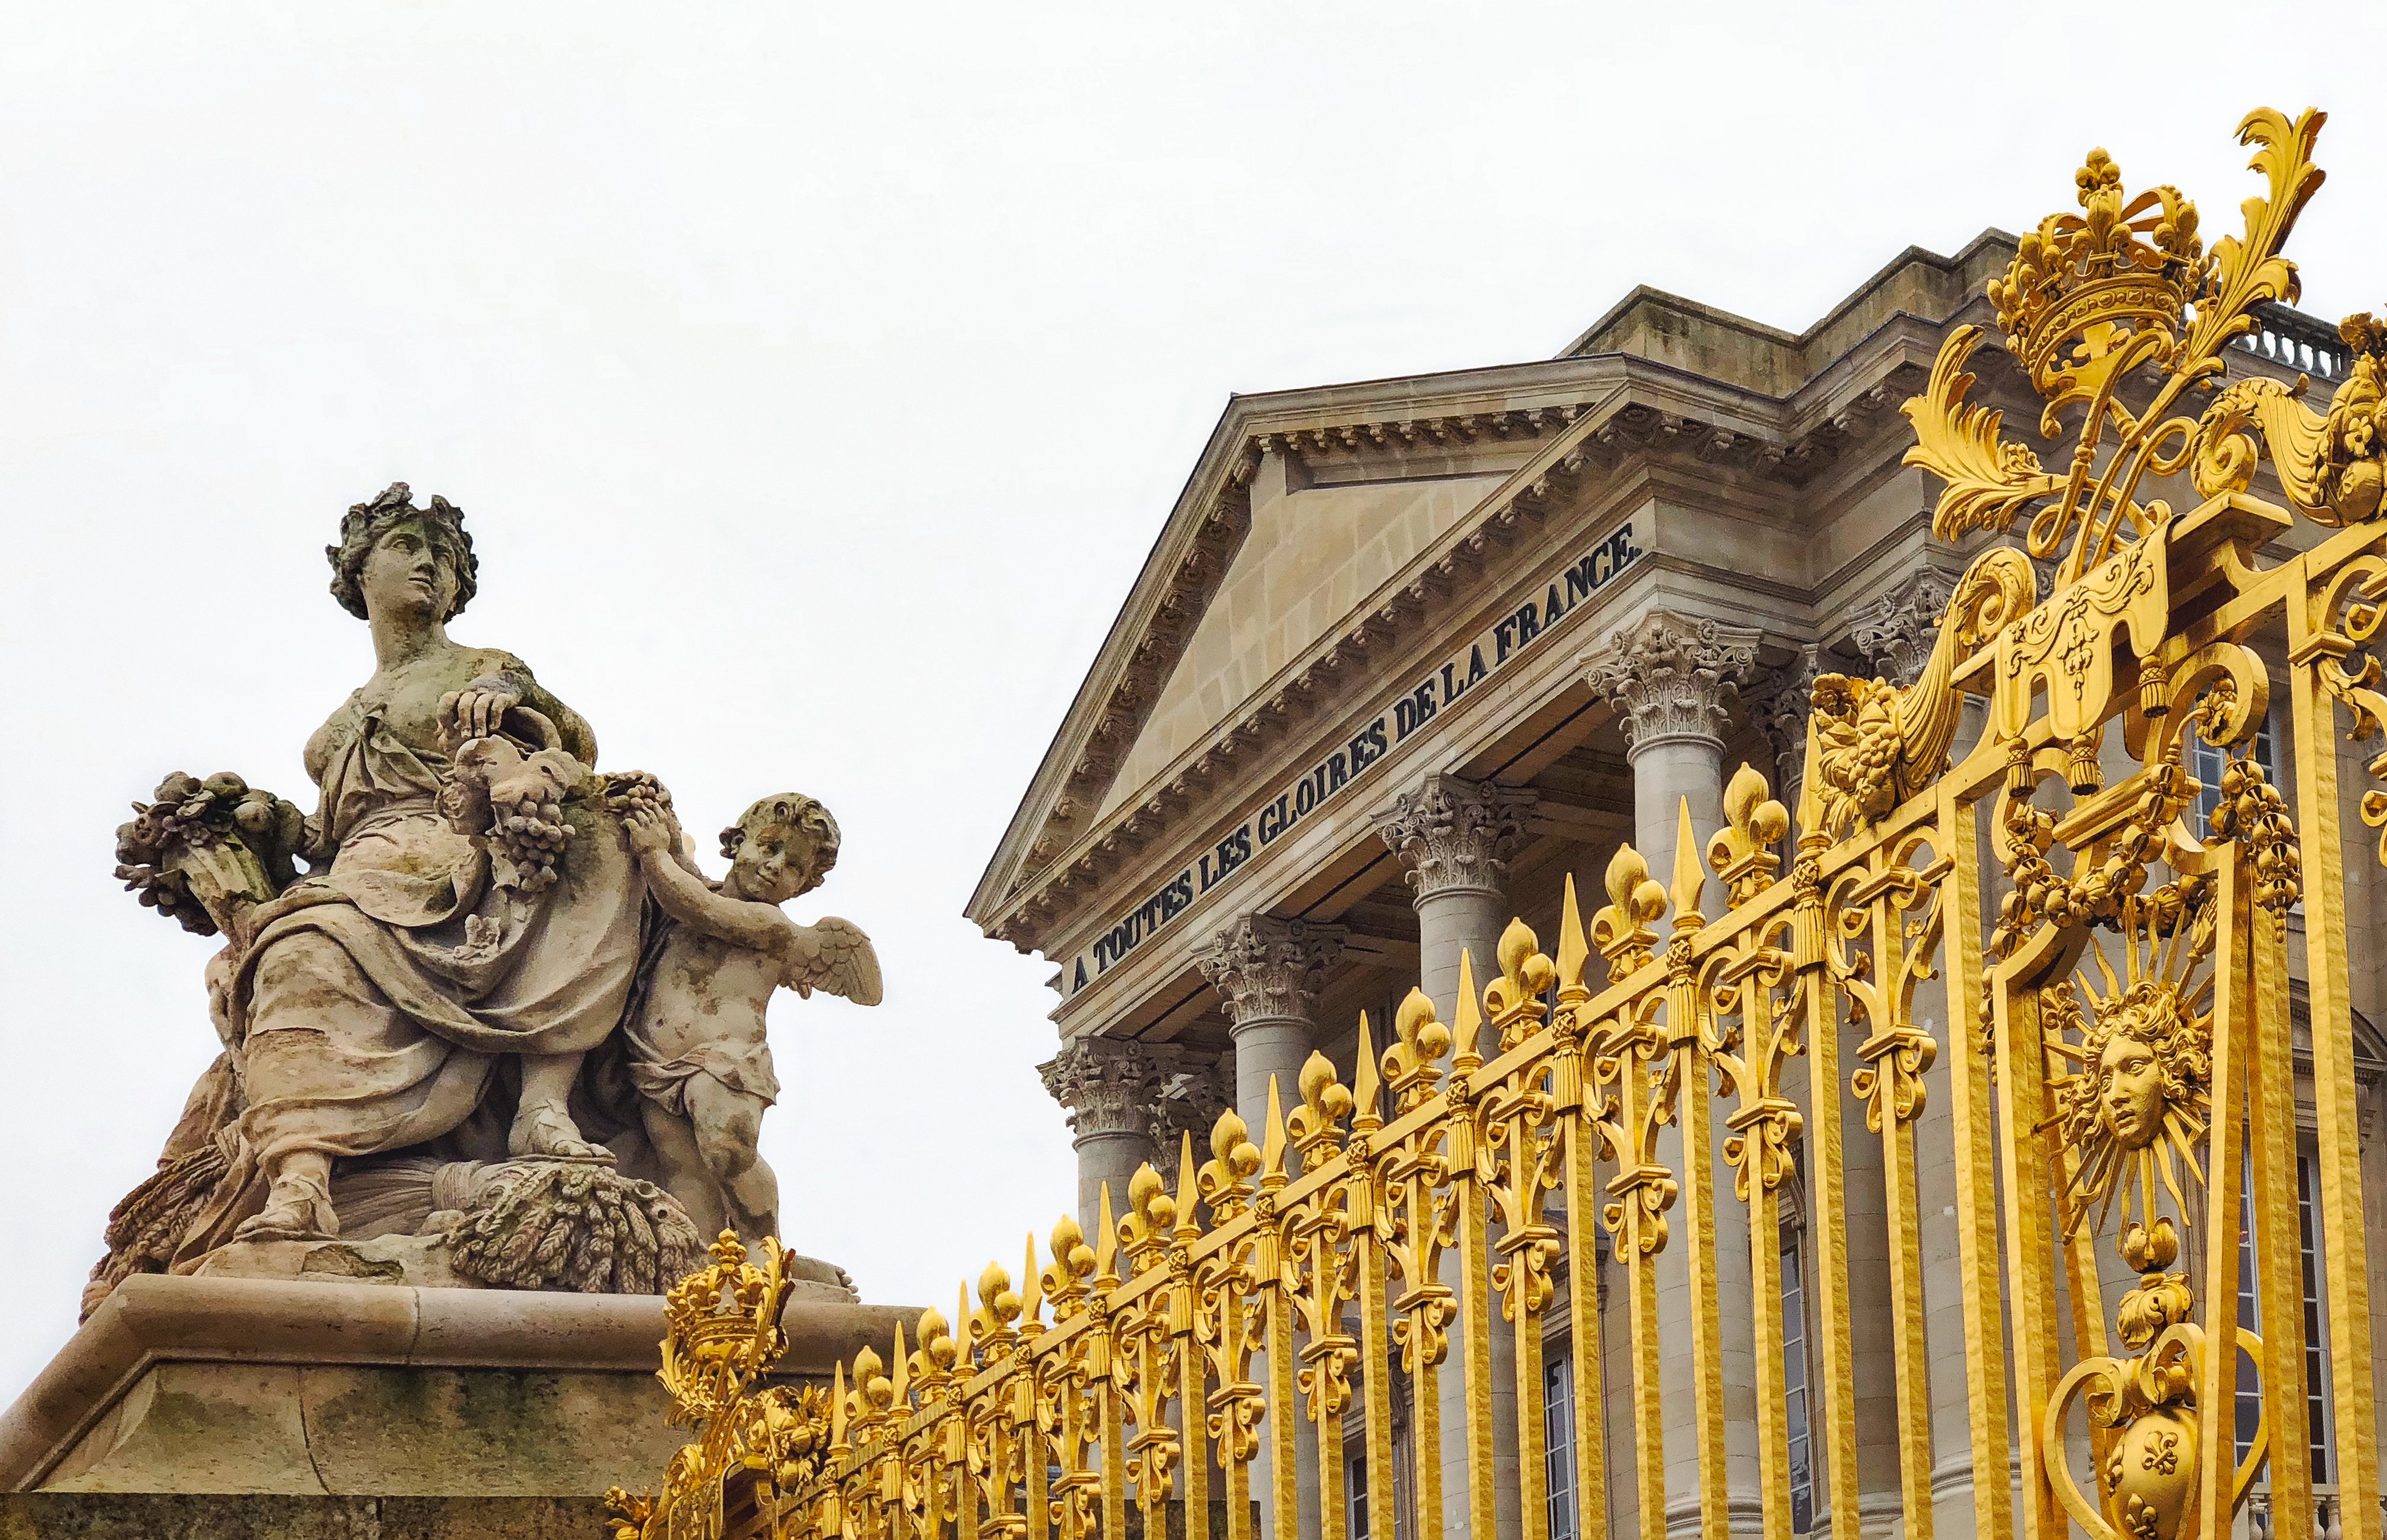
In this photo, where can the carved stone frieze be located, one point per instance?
(1895, 632)
(1110, 1085)
(1453, 833)
(1271, 968)
(1674, 675)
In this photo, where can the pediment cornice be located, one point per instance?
(1580, 418)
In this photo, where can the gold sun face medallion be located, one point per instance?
(2135, 1110)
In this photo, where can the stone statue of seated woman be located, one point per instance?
(422, 981)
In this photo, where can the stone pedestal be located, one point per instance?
(239, 1406)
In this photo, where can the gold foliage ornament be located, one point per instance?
(2092, 299)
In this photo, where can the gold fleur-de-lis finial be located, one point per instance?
(1225, 1179)
(1313, 1126)
(1514, 1000)
(1741, 853)
(1409, 1063)
(1624, 931)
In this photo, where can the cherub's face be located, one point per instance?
(774, 863)
(2129, 1091)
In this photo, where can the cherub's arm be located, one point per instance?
(654, 838)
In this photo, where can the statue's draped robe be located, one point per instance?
(380, 994)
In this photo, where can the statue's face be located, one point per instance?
(2129, 1091)
(772, 864)
(405, 575)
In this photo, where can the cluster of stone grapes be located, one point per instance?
(633, 791)
(532, 835)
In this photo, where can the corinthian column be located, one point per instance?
(1456, 836)
(1112, 1087)
(1269, 971)
(1673, 681)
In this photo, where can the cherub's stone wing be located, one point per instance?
(835, 955)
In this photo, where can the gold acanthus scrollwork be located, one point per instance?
(2348, 613)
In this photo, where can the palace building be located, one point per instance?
(1408, 652)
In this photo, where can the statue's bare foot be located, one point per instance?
(297, 1208)
(545, 1128)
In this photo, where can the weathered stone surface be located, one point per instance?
(201, 1516)
(248, 1385)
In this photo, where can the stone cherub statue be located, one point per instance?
(425, 992)
(699, 1055)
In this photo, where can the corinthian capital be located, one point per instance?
(1673, 676)
(1191, 1105)
(1268, 967)
(1453, 833)
(1110, 1085)
(1780, 704)
(1895, 631)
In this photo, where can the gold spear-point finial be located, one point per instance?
(1367, 1090)
(963, 1324)
(1689, 875)
(1031, 1302)
(903, 1368)
(1467, 1023)
(1574, 952)
(837, 1406)
(1189, 1220)
(1106, 1244)
(1812, 834)
(1272, 1172)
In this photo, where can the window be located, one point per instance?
(2315, 1348)
(2205, 762)
(1794, 1383)
(2250, 1316)
(1558, 1440)
(1356, 1484)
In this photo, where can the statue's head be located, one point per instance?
(394, 555)
(781, 847)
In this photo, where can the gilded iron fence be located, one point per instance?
(2115, 977)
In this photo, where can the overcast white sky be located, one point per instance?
(815, 379)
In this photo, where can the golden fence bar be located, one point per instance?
(2117, 1055)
